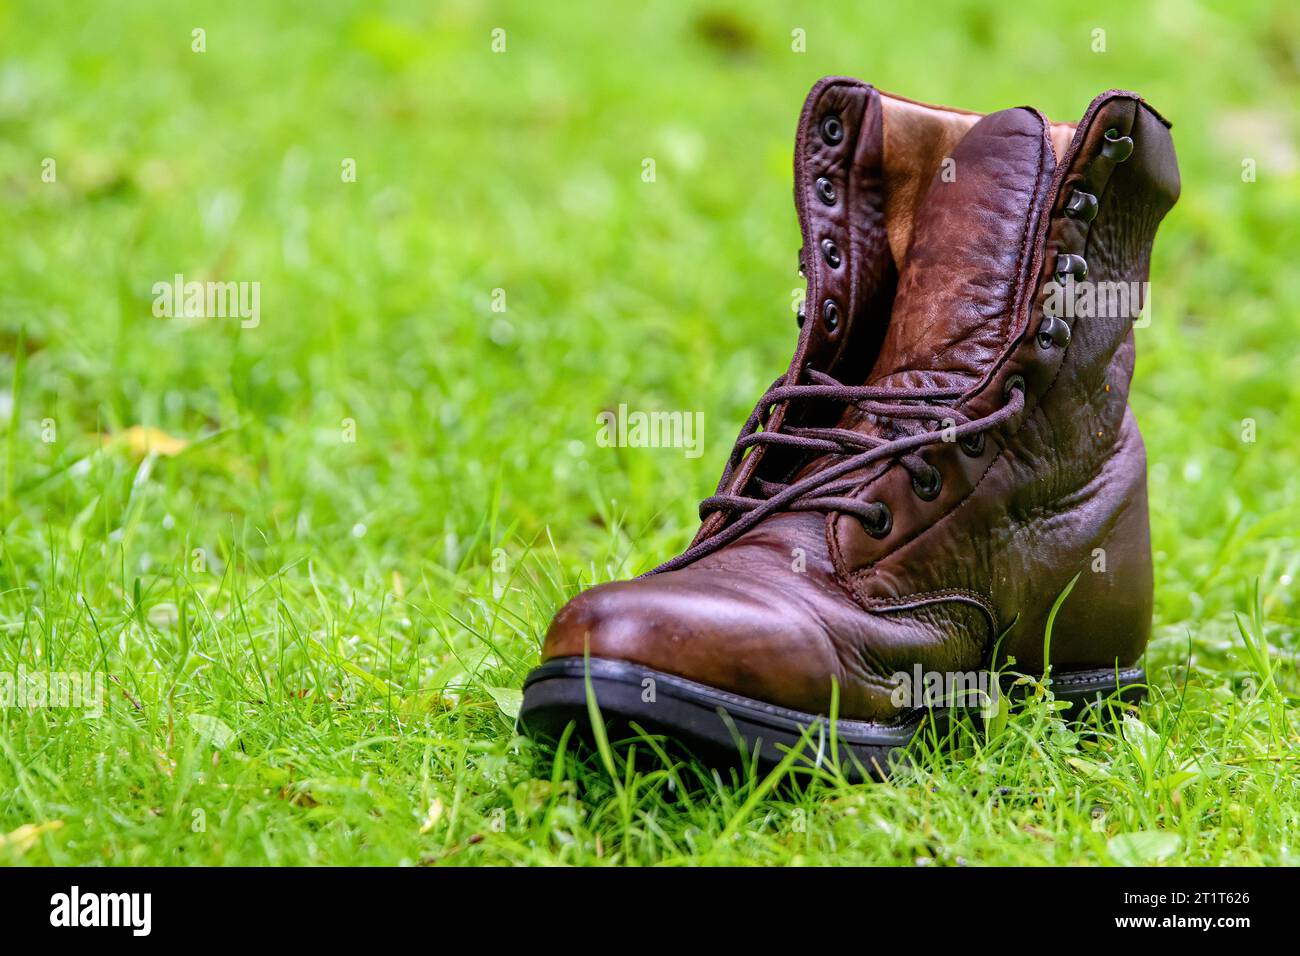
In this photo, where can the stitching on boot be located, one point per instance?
(926, 598)
(1089, 678)
(1025, 257)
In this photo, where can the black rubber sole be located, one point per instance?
(718, 727)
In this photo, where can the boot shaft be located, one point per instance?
(938, 248)
(982, 308)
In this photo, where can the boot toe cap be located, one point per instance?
(707, 626)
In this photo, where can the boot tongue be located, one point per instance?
(953, 314)
(954, 311)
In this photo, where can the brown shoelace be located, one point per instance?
(826, 490)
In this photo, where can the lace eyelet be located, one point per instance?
(1069, 265)
(831, 253)
(882, 521)
(1081, 206)
(831, 314)
(1053, 332)
(1014, 383)
(972, 445)
(1117, 148)
(832, 129)
(929, 490)
(826, 191)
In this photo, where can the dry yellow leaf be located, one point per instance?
(142, 440)
(433, 816)
(24, 838)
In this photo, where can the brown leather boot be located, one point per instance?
(949, 450)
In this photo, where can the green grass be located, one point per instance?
(313, 641)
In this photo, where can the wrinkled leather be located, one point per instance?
(918, 137)
(955, 303)
(805, 599)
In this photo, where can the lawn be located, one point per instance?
(315, 550)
